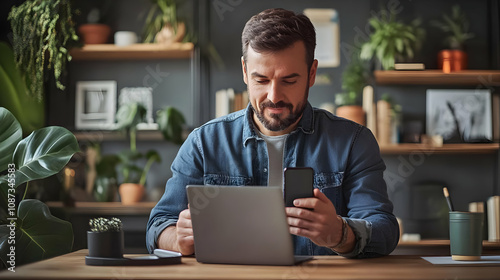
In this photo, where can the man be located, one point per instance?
(350, 214)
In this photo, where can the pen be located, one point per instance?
(448, 199)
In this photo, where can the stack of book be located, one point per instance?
(492, 212)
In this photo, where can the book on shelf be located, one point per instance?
(476, 207)
(228, 101)
(409, 66)
(370, 109)
(493, 212)
(384, 129)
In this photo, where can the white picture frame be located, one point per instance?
(95, 106)
(144, 96)
(469, 109)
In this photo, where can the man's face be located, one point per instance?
(278, 86)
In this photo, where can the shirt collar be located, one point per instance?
(306, 123)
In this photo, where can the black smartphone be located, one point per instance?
(298, 184)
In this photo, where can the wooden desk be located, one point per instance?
(72, 266)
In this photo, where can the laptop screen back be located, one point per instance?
(240, 225)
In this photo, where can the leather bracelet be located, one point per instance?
(343, 239)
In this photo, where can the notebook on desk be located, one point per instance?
(240, 225)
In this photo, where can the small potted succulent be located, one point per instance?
(105, 238)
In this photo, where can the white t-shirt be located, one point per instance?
(275, 146)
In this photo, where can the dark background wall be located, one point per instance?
(414, 181)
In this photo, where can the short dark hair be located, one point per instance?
(277, 29)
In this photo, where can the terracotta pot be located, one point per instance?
(131, 193)
(352, 112)
(94, 33)
(452, 60)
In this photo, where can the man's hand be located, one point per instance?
(184, 229)
(180, 237)
(321, 224)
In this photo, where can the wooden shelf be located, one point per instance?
(488, 148)
(105, 208)
(132, 52)
(437, 77)
(443, 242)
(99, 135)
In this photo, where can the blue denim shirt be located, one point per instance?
(347, 167)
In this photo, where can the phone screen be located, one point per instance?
(298, 184)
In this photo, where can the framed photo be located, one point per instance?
(95, 105)
(144, 96)
(459, 115)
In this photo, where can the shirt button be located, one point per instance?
(265, 169)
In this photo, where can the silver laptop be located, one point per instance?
(240, 225)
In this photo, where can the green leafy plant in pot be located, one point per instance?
(129, 115)
(38, 234)
(456, 28)
(354, 79)
(105, 238)
(392, 40)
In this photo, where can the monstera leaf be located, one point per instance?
(10, 135)
(43, 153)
(38, 234)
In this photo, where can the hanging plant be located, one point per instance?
(43, 34)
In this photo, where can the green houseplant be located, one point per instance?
(38, 234)
(129, 115)
(28, 110)
(456, 28)
(354, 79)
(43, 35)
(162, 25)
(392, 40)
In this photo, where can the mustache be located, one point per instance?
(280, 104)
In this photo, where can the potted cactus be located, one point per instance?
(105, 238)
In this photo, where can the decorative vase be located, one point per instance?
(131, 193)
(452, 60)
(94, 33)
(352, 112)
(105, 244)
(167, 35)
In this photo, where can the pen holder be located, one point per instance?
(466, 237)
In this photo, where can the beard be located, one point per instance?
(276, 122)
